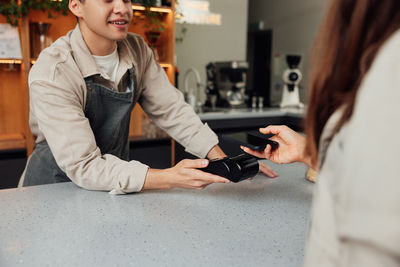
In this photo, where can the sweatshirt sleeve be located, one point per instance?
(165, 105)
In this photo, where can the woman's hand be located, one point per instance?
(291, 146)
(185, 174)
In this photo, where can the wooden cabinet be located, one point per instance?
(14, 92)
(13, 97)
(165, 47)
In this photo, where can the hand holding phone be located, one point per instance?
(292, 146)
(262, 139)
(253, 140)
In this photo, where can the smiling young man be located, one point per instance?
(82, 91)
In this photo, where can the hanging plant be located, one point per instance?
(13, 11)
(180, 16)
(153, 20)
(48, 6)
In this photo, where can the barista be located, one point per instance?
(82, 91)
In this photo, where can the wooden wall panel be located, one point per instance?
(11, 99)
(12, 105)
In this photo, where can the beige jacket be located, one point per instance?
(356, 206)
(57, 102)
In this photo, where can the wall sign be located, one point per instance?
(10, 46)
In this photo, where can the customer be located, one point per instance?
(353, 122)
(82, 91)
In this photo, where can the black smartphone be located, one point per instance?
(252, 139)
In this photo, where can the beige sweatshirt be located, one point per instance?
(57, 101)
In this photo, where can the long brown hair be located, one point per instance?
(347, 42)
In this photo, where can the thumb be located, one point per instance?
(272, 129)
(195, 163)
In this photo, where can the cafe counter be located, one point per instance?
(259, 222)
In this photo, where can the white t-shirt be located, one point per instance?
(108, 64)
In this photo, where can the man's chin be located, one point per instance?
(120, 37)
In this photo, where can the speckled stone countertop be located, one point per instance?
(227, 113)
(262, 222)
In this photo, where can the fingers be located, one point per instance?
(206, 178)
(199, 184)
(279, 131)
(193, 177)
(194, 163)
(272, 129)
(215, 179)
(271, 155)
(267, 170)
(267, 152)
(256, 153)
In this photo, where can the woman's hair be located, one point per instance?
(345, 47)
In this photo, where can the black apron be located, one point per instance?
(109, 115)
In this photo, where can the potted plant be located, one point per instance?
(180, 16)
(153, 23)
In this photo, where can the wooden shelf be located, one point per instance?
(165, 65)
(10, 61)
(153, 9)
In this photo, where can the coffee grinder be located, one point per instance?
(291, 78)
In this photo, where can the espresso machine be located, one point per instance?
(226, 84)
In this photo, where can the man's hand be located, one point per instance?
(267, 170)
(185, 174)
(216, 153)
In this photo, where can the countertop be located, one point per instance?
(230, 113)
(259, 222)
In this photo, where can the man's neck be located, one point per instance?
(98, 46)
